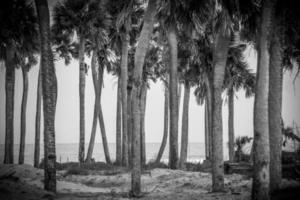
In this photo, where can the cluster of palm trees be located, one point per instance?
(197, 43)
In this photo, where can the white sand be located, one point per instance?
(158, 184)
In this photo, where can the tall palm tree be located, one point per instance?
(261, 150)
(38, 121)
(165, 80)
(139, 59)
(166, 123)
(153, 69)
(119, 125)
(97, 85)
(72, 17)
(17, 39)
(142, 126)
(122, 11)
(49, 84)
(25, 66)
(102, 57)
(237, 76)
(284, 49)
(189, 74)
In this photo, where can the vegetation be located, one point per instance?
(196, 43)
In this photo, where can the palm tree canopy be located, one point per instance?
(79, 18)
(237, 72)
(19, 30)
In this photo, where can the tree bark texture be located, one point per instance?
(119, 124)
(49, 85)
(185, 126)
(139, 59)
(143, 113)
(38, 120)
(9, 106)
(81, 99)
(173, 139)
(275, 106)
(261, 149)
(219, 58)
(231, 125)
(124, 80)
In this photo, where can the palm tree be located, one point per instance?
(261, 150)
(168, 20)
(17, 37)
(49, 84)
(165, 81)
(284, 49)
(38, 121)
(153, 69)
(237, 76)
(139, 59)
(102, 57)
(142, 126)
(122, 10)
(119, 125)
(25, 66)
(72, 17)
(97, 85)
(189, 74)
(166, 123)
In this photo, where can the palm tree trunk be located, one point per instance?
(185, 126)
(208, 82)
(9, 107)
(166, 123)
(173, 143)
(179, 96)
(119, 125)
(49, 84)
(81, 99)
(124, 79)
(101, 122)
(261, 148)
(143, 112)
(129, 124)
(220, 58)
(139, 59)
(207, 142)
(38, 120)
(96, 107)
(23, 115)
(231, 125)
(275, 102)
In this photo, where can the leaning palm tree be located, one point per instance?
(102, 57)
(17, 36)
(165, 79)
(49, 84)
(72, 17)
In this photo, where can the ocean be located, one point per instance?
(69, 152)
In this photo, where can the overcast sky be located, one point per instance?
(67, 110)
